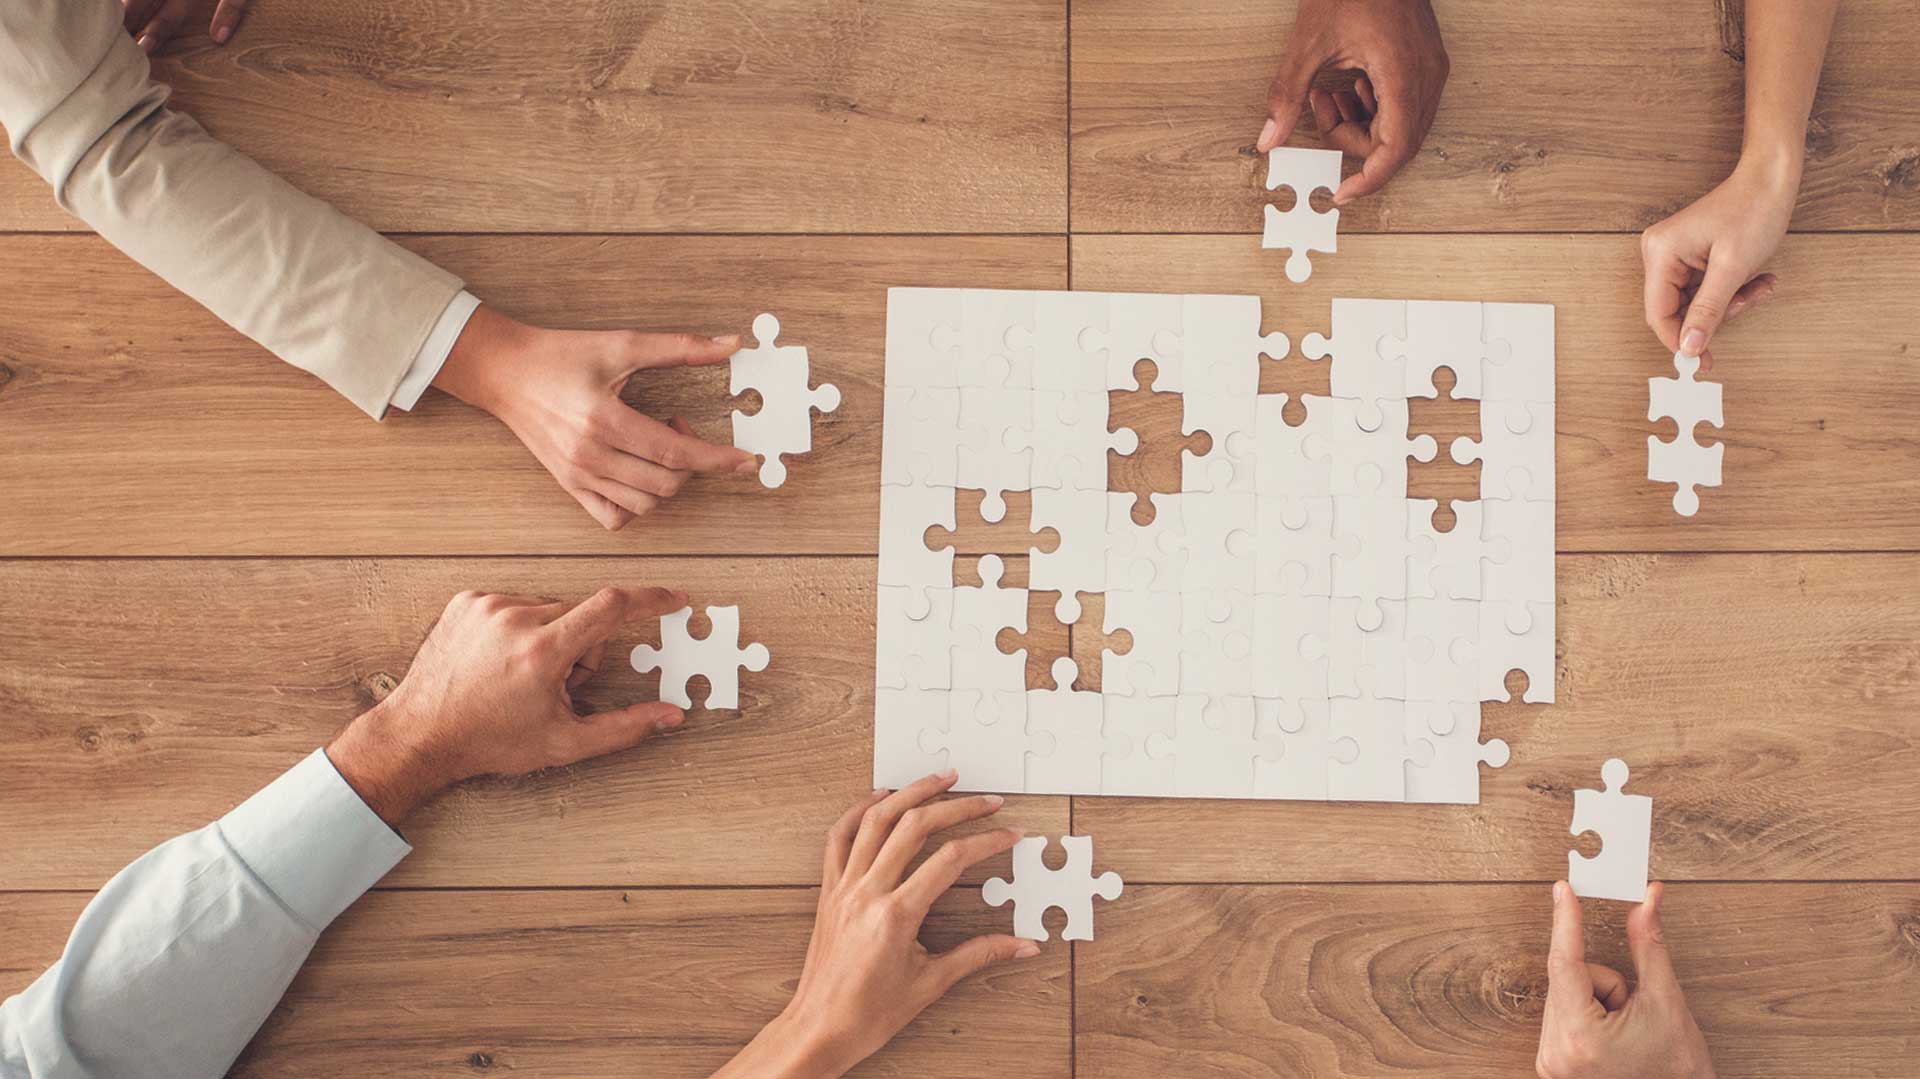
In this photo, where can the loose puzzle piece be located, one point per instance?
(979, 614)
(1624, 823)
(1684, 461)
(1035, 888)
(1515, 450)
(784, 422)
(1451, 731)
(1301, 228)
(1074, 720)
(1070, 439)
(985, 741)
(718, 656)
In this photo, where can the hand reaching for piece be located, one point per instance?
(491, 693)
(1703, 263)
(1594, 1028)
(154, 22)
(559, 391)
(1387, 114)
(867, 975)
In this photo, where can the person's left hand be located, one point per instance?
(867, 974)
(154, 22)
(1387, 114)
(491, 693)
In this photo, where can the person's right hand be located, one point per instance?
(867, 974)
(491, 693)
(1387, 114)
(1703, 264)
(1594, 1028)
(559, 391)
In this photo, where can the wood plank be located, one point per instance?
(594, 983)
(1767, 704)
(1451, 980)
(1821, 451)
(215, 448)
(145, 698)
(189, 440)
(1547, 123)
(597, 116)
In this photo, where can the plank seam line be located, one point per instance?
(476, 556)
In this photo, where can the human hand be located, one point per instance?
(866, 974)
(491, 693)
(1703, 263)
(1594, 1028)
(154, 22)
(1387, 114)
(559, 392)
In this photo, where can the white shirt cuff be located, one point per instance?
(434, 351)
(312, 841)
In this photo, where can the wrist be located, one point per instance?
(786, 1048)
(1772, 165)
(479, 367)
(390, 771)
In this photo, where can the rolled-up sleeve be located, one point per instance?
(176, 962)
(316, 288)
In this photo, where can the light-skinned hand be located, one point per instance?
(867, 974)
(1387, 114)
(1597, 1028)
(1703, 264)
(154, 22)
(491, 693)
(559, 391)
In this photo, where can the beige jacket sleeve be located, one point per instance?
(319, 290)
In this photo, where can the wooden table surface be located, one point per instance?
(209, 563)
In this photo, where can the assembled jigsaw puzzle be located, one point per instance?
(1299, 627)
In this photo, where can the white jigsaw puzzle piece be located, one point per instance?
(1075, 722)
(913, 651)
(1515, 450)
(1035, 889)
(1301, 228)
(1442, 333)
(1079, 563)
(1685, 461)
(979, 614)
(1142, 326)
(899, 717)
(986, 741)
(1214, 746)
(905, 559)
(1145, 557)
(1293, 540)
(1451, 730)
(1131, 721)
(1151, 667)
(1360, 370)
(1070, 332)
(1624, 823)
(784, 422)
(1304, 730)
(1070, 439)
(718, 656)
(1216, 643)
(923, 337)
(920, 437)
(1518, 365)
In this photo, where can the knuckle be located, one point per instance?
(915, 820)
(672, 455)
(875, 817)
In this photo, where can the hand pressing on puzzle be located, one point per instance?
(559, 392)
(1704, 263)
(491, 693)
(1386, 116)
(866, 974)
(1595, 1027)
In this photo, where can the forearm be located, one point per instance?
(178, 960)
(1786, 41)
(319, 290)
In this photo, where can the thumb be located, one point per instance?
(1709, 305)
(1284, 98)
(622, 728)
(1647, 940)
(978, 954)
(1569, 983)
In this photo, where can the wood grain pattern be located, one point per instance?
(622, 116)
(593, 983)
(189, 440)
(1785, 980)
(1767, 704)
(146, 698)
(1553, 119)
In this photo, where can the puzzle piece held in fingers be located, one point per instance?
(784, 423)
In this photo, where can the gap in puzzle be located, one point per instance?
(1299, 628)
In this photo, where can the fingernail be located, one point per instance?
(1559, 892)
(949, 775)
(673, 719)
(747, 465)
(1693, 341)
(221, 35)
(994, 800)
(145, 43)
(1018, 832)
(1027, 950)
(1267, 132)
(730, 340)
(879, 792)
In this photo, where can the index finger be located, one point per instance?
(1394, 141)
(595, 619)
(1569, 984)
(226, 19)
(675, 447)
(1661, 296)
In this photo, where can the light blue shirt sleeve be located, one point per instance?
(176, 962)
